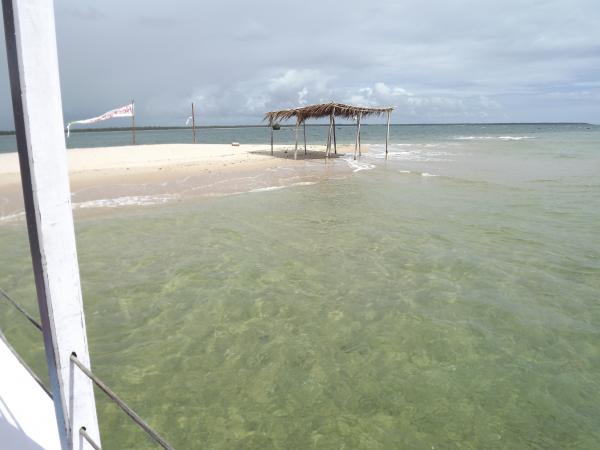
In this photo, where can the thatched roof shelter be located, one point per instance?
(324, 110)
(331, 110)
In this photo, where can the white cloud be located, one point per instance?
(293, 87)
(436, 60)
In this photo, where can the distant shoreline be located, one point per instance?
(226, 127)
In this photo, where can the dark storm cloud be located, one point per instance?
(437, 61)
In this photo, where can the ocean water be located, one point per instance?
(317, 134)
(446, 297)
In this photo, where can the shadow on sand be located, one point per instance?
(311, 154)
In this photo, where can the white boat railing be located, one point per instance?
(97, 381)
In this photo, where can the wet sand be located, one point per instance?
(149, 174)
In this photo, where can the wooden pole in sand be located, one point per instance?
(271, 127)
(327, 146)
(334, 138)
(296, 148)
(387, 136)
(359, 146)
(329, 139)
(304, 126)
(357, 143)
(193, 122)
(39, 128)
(132, 122)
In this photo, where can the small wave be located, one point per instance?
(11, 217)
(416, 155)
(267, 189)
(276, 188)
(515, 138)
(492, 138)
(136, 200)
(304, 183)
(225, 181)
(260, 189)
(380, 147)
(423, 174)
(357, 165)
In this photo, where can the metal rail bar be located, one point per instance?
(121, 404)
(82, 431)
(21, 309)
(84, 434)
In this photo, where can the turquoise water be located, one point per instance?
(445, 298)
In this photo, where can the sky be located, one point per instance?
(436, 61)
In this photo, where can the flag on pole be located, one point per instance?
(123, 111)
(189, 119)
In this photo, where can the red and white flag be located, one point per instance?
(123, 111)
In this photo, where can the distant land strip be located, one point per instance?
(167, 127)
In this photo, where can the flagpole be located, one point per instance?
(133, 122)
(193, 123)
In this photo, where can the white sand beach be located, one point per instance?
(143, 174)
(104, 161)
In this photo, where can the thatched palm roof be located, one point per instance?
(324, 110)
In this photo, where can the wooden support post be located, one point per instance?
(359, 144)
(296, 148)
(304, 127)
(271, 127)
(328, 139)
(334, 138)
(331, 135)
(387, 136)
(193, 123)
(132, 122)
(35, 87)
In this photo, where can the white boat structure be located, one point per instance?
(64, 417)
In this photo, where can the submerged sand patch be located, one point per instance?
(108, 177)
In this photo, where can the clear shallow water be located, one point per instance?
(381, 308)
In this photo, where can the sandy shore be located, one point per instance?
(106, 161)
(138, 174)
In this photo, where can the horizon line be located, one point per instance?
(178, 127)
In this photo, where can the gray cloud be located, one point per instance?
(437, 61)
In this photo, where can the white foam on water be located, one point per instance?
(492, 138)
(416, 155)
(266, 189)
(11, 217)
(416, 145)
(515, 138)
(225, 181)
(357, 165)
(260, 189)
(304, 183)
(423, 174)
(134, 200)
(276, 188)
(275, 169)
(427, 152)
